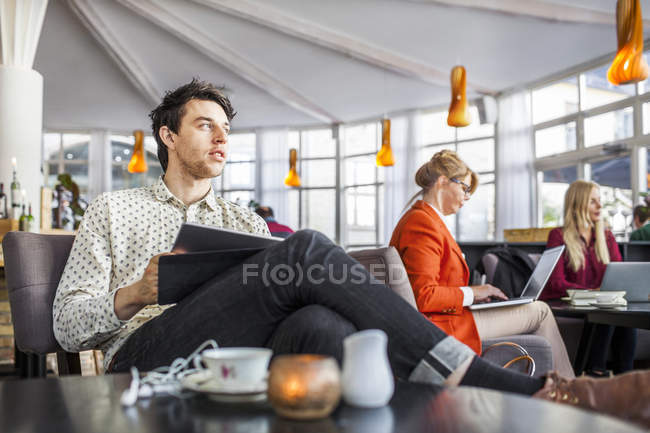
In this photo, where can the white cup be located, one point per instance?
(236, 367)
(606, 298)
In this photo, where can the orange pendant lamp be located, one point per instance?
(292, 178)
(458, 111)
(385, 154)
(138, 163)
(628, 66)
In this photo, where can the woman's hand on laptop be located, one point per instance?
(486, 293)
(131, 299)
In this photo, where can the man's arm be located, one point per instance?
(131, 299)
(83, 309)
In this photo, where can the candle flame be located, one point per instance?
(294, 388)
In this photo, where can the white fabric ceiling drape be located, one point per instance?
(514, 164)
(100, 172)
(272, 166)
(20, 27)
(399, 185)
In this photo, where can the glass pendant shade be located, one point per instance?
(292, 178)
(138, 163)
(385, 154)
(628, 66)
(458, 111)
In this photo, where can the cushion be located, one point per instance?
(33, 267)
(386, 266)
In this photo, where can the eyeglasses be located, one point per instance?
(466, 188)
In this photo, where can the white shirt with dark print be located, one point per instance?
(120, 232)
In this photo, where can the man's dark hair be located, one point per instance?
(172, 108)
(264, 211)
(641, 212)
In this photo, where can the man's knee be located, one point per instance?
(317, 321)
(308, 236)
(312, 329)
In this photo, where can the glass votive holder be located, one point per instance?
(304, 386)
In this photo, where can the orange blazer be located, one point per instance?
(436, 270)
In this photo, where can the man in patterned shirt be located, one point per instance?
(107, 296)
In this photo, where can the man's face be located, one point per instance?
(201, 145)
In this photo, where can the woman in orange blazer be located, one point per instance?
(439, 274)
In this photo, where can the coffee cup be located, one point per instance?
(236, 367)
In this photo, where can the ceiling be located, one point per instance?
(105, 63)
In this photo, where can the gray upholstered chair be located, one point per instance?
(33, 267)
(386, 265)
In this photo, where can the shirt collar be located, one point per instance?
(442, 218)
(163, 194)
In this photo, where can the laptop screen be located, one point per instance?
(542, 272)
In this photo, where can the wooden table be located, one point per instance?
(635, 315)
(91, 404)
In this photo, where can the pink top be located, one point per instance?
(588, 277)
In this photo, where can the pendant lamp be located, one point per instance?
(385, 154)
(628, 66)
(292, 178)
(138, 163)
(458, 112)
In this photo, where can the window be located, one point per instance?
(476, 146)
(121, 153)
(578, 145)
(597, 90)
(609, 127)
(556, 139)
(66, 153)
(613, 176)
(362, 185)
(552, 187)
(313, 205)
(237, 182)
(555, 100)
(646, 118)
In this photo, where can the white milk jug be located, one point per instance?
(367, 379)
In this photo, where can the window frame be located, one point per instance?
(377, 185)
(582, 157)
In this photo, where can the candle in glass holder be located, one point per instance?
(304, 386)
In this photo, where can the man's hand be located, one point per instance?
(131, 299)
(486, 293)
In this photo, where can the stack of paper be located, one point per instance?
(581, 298)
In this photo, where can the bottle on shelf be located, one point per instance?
(15, 193)
(21, 220)
(4, 212)
(29, 220)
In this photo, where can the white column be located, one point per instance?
(21, 129)
(21, 97)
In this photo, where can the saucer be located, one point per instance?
(607, 305)
(203, 382)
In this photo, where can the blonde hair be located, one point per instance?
(576, 216)
(444, 163)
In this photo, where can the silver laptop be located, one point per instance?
(633, 277)
(535, 283)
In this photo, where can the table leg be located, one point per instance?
(584, 347)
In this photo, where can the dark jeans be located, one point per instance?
(619, 341)
(304, 294)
